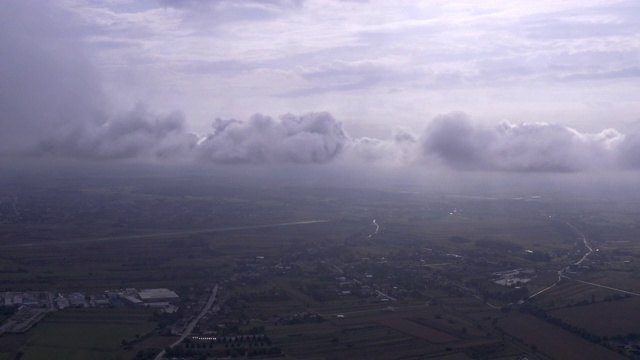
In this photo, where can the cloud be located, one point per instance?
(400, 149)
(138, 133)
(47, 83)
(310, 138)
(52, 101)
(225, 11)
(529, 147)
(628, 150)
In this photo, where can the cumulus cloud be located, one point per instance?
(310, 138)
(628, 150)
(138, 133)
(400, 149)
(537, 147)
(52, 104)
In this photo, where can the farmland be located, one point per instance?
(84, 334)
(308, 274)
(621, 317)
(551, 341)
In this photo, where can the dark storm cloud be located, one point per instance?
(46, 86)
(455, 140)
(538, 147)
(51, 98)
(310, 138)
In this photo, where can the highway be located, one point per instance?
(163, 234)
(193, 322)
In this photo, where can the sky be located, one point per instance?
(467, 86)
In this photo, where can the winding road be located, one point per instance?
(377, 228)
(193, 322)
(561, 271)
(561, 274)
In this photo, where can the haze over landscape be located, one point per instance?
(319, 179)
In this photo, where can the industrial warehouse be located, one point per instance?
(149, 296)
(35, 304)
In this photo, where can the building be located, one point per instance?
(158, 295)
(77, 300)
(132, 300)
(101, 300)
(61, 302)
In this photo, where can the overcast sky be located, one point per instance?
(504, 86)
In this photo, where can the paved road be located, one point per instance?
(164, 234)
(193, 322)
(584, 240)
(377, 228)
(550, 287)
(561, 274)
(561, 271)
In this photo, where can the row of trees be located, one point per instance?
(180, 351)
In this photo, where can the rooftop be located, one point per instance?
(153, 294)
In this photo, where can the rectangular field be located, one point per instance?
(91, 334)
(622, 317)
(554, 341)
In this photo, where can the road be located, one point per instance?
(383, 295)
(377, 228)
(193, 322)
(584, 240)
(550, 287)
(561, 271)
(490, 305)
(602, 286)
(561, 274)
(164, 234)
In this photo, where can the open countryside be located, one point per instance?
(471, 283)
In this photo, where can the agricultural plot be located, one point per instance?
(361, 341)
(553, 341)
(91, 334)
(416, 329)
(570, 293)
(622, 317)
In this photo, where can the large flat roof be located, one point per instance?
(152, 294)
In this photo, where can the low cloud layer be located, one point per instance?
(138, 133)
(310, 138)
(52, 105)
(451, 141)
(538, 147)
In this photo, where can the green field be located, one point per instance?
(87, 334)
